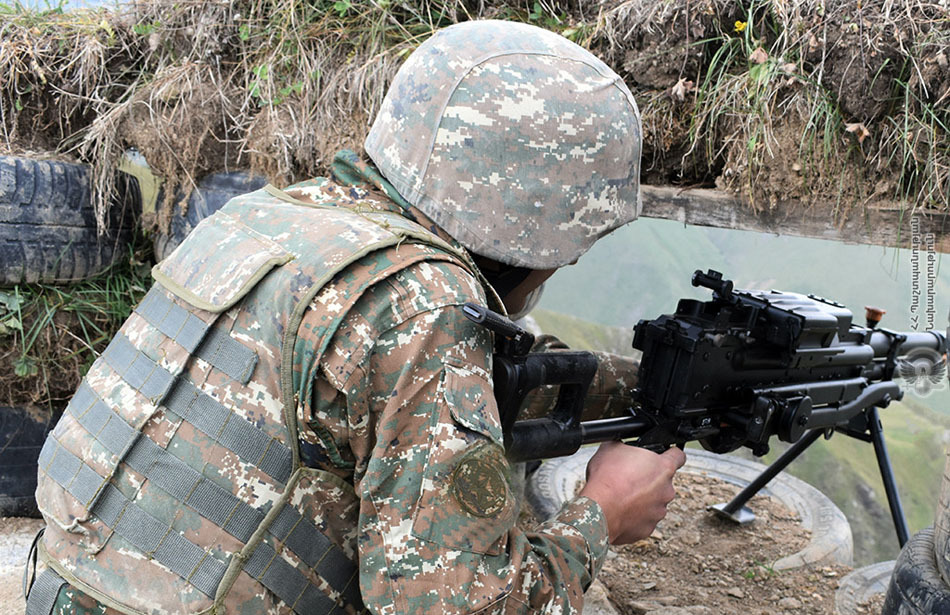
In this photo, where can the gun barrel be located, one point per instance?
(932, 340)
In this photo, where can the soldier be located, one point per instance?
(298, 417)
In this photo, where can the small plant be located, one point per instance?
(759, 570)
(52, 334)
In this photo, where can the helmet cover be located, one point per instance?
(520, 144)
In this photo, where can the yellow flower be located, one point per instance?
(740, 26)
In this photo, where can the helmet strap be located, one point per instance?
(506, 278)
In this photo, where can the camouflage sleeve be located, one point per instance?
(437, 514)
(610, 393)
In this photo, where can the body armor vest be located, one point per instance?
(173, 482)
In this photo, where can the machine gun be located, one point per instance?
(731, 372)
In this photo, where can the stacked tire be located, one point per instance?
(23, 430)
(920, 584)
(48, 230)
(557, 480)
(49, 234)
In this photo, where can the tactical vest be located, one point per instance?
(173, 482)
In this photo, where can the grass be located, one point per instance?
(280, 85)
(51, 334)
(771, 113)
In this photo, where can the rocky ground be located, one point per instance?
(697, 564)
(16, 534)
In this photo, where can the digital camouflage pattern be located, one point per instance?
(520, 144)
(257, 275)
(399, 440)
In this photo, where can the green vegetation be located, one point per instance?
(800, 102)
(640, 271)
(781, 102)
(584, 335)
(50, 335)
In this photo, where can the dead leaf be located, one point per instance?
(790, 67)
(759, 56)
(859, 130)
(682, 88)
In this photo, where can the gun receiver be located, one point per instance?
(757, 364)
(734, 371)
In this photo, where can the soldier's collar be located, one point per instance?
(349, 170)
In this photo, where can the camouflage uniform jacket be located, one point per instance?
(400, 410)
(404, 409)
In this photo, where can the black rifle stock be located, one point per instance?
(731, 372)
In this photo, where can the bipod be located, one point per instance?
(867, 427)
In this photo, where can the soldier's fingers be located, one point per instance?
(676, 456)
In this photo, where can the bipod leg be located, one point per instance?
(736, 510)
(887, 475)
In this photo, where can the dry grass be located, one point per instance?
(843, 102)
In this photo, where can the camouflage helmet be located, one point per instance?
(520, 144)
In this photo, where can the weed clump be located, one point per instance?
(843, 105)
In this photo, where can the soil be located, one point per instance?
(16, 534)
(698, 564)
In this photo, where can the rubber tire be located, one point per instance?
(22, 433)
(859, 586)
(212, 193)
(557, 480)
(916, 587)
(942, 526)
(48, 230)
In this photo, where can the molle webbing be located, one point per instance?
(219, 349)
(187, 402)
(167, 472)
(192, 563)
(174, 321)
(162, 543)
(231, 431)
(291, 586)
(205, 497)
(43, 594)
(137, 370)
(173, 476)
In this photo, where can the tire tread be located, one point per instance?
(48, 230)
(916, 587)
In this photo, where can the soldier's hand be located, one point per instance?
(633, 487)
